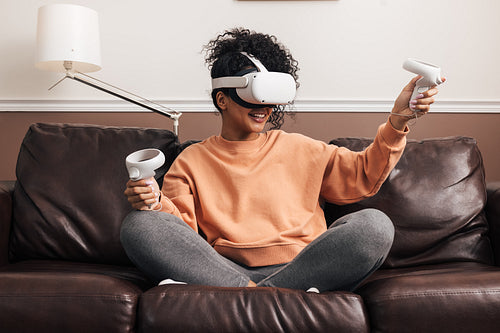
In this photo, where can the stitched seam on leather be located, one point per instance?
(434, 294)
(189, 293)
(110, 297)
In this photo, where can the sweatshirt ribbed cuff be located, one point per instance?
(392, 136)
(167, 205)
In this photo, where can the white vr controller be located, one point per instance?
(143, 163)
(431, 75)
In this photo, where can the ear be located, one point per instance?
(222, 100)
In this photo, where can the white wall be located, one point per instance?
(347, 49)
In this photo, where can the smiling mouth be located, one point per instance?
(259, 116)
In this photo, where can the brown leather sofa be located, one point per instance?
(62, 268)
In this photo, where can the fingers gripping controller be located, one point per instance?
(431, 75)
(142, 165)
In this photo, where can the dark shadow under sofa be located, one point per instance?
(62, 268)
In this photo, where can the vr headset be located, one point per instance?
(258, 88)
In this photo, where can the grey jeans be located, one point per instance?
(354, 246)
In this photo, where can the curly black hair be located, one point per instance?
(224, 58)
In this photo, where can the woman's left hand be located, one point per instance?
(404, 109)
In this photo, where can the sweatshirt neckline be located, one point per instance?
(251, 145)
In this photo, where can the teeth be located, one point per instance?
(258, 115)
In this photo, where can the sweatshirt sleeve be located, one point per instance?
(353, 176)
(177, 195)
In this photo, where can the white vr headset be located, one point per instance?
(260, 87)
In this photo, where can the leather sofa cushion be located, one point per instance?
(126, 273)
(6, 188)
(435, 197)
(451, 297)
(68, 200)
(493, 217)
(187, 308)
(66, 301)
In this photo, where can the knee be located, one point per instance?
(133, 221)
(144, 224)
(148, 224)
(378, 229)
(130, 227)
(380, 222)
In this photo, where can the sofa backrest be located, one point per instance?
(435, 197)
(68, 203)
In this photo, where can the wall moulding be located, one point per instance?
(377, 106)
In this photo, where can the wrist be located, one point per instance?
(398, 122)
(156, 206)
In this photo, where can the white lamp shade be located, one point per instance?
(68, 33)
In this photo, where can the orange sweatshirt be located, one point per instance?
(258, 202)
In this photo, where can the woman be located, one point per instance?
(255, 195)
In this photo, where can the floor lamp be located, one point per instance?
(68, 41)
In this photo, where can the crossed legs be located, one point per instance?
(354, 246)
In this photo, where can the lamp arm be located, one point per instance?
(132, 98)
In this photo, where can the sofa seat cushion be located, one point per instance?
(66, 301)
(453, 297)
(190, 308)
(127, 273)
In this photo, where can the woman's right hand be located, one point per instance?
(143, 194)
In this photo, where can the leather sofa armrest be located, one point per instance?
(493, 216)
(6, 190)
